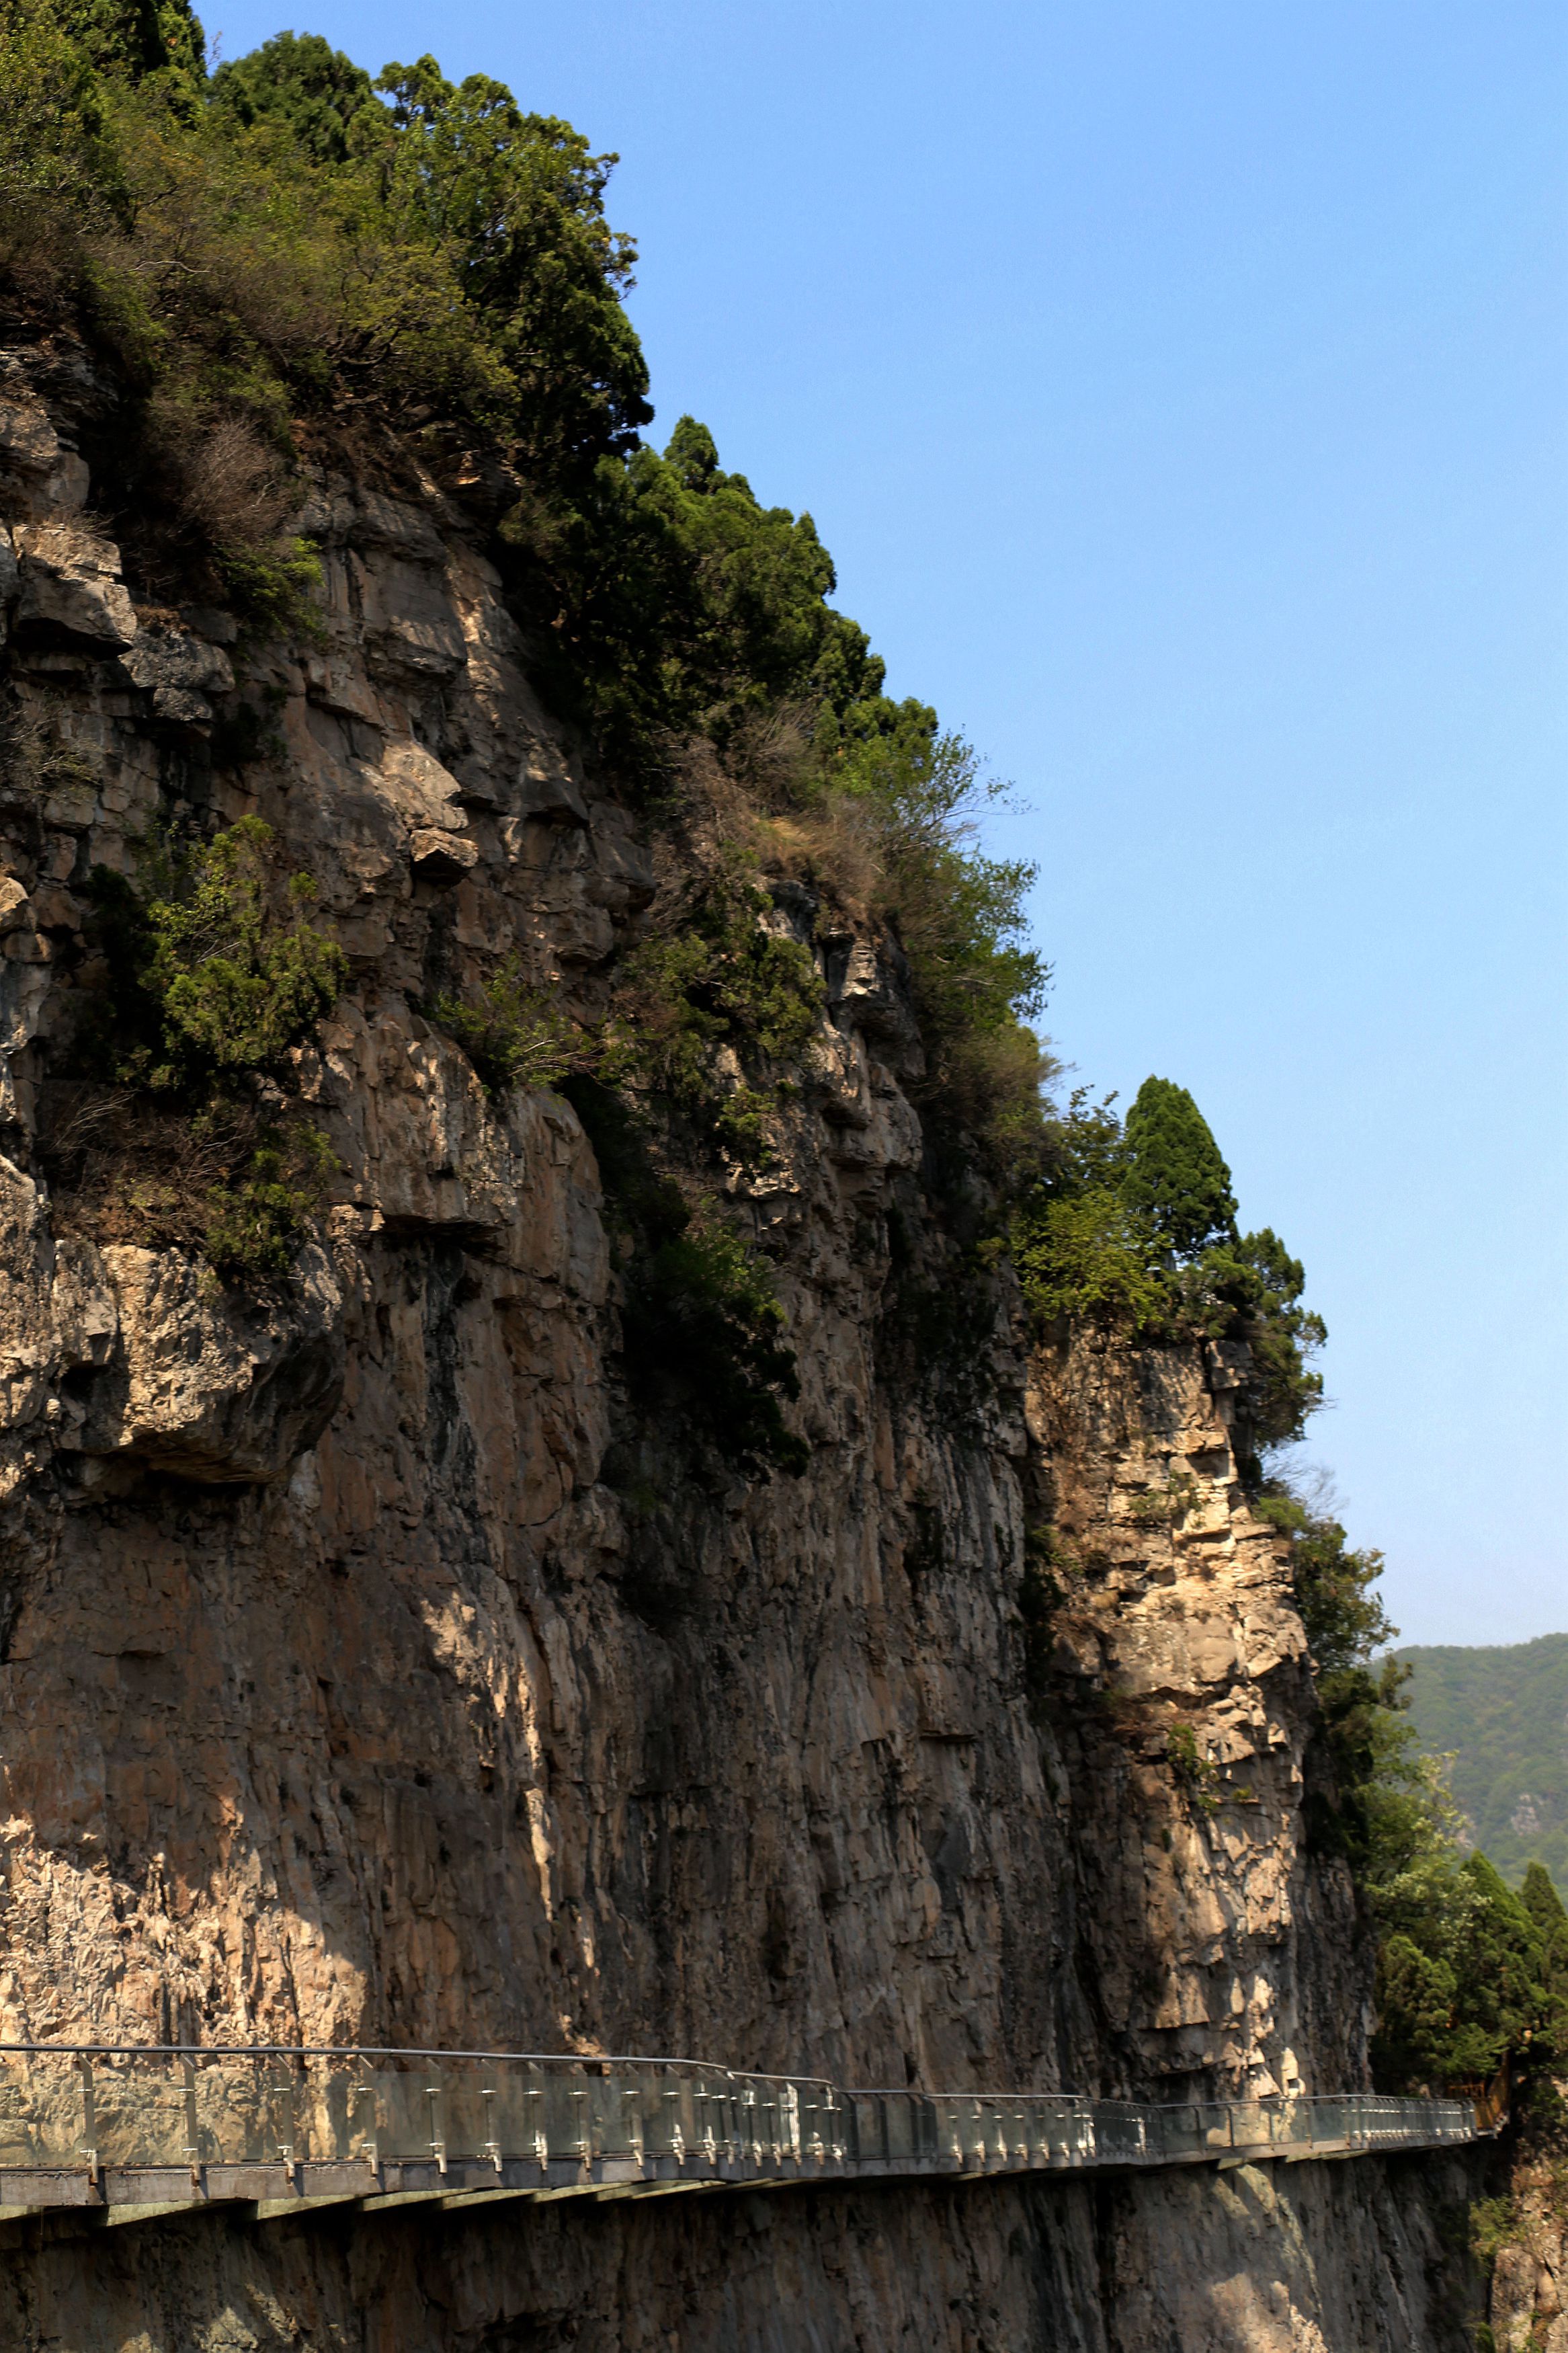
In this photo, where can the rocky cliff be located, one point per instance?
(375, 1670)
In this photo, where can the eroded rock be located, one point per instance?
(70, 583)
(201, 1385)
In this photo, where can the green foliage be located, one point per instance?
(274, 586)
(1167, 1505)
(276, 244)
(1196, 1774)
(1544, 1905)
(1460, 1982)
(703, 1333)
(1499, 1710)
(257, 1218)
(715, 977)
(139, 38)
(915, 797)
(56, 149)
(1469, 1973)
(516, 201)
(1088, 1257)
(1172, 1173)
(277, 250)
(1250, 1287)
(1040, 1596)
(1494, 2223)
(213, 973)
(300, 82)
(674, 603)
(1134, 1228)
(704, 1337)
(514, 1036)
(209, 977)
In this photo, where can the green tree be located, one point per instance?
(1174, 1175)
(1415, 1994)
(326, 102)
(518, 199)
(139, 38)
(1544, 1905)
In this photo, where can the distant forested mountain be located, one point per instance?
(1503, 1712)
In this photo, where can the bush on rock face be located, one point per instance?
(177, 1129)
(212, 972)
(1132, 1226)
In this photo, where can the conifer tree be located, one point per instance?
(1175, 1175)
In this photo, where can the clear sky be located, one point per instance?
(1180, 390)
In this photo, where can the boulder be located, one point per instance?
(180, 670)
(208, 1387)
(71, 585)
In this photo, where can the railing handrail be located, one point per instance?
(138, 2123)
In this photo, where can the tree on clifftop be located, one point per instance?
(1174, 1175)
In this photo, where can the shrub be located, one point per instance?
(254, 1221)
(230, 1183)
(1088, 1258)
(514, 1036)
(715, 977)
(704, 1337)
(703, 1333)
(212, 973)
(208, 976)
(1195, 1774)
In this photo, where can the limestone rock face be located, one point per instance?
(1301, 2259)
(371, 1672)
(202, 1387)
(1528, 2306)
(70, 584)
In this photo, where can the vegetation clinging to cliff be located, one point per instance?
(287, 249)
(176, 1123)
(1468, 1973)
(1134, 1225)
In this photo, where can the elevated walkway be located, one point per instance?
(122, 2135)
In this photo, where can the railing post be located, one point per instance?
(437, 2143)
(366, 2100)
(193, 2129)
(89, 2122)
(286, 2138)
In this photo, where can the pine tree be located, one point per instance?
(1174, 1175)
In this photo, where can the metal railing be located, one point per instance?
(97, 2126)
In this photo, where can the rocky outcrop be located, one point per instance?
(370, 1671)
(1527, 2303)
(1363, 2258)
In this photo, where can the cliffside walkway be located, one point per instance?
(130, 2133)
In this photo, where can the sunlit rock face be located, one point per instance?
(372, 1674)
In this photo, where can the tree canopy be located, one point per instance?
(1173, 1174)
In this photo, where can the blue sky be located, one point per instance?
(1181, 391)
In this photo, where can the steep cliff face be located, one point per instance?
(371, 1672)
(1362, 2258)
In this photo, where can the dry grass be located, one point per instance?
(228, 486)
(123, 1169)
